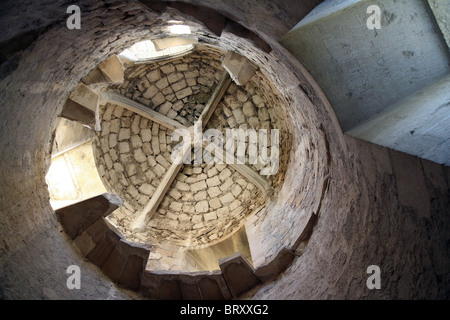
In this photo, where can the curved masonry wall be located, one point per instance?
(205, 203)
(374, 206)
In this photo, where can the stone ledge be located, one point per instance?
(238, 274)
(78, 217)
(122, 261)
(126, 263)
(164, 285)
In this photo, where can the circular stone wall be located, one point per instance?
(206, 202)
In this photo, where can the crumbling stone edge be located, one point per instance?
(124, 262)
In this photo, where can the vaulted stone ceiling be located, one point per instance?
(206, 202)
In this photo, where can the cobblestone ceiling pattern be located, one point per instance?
(205, 202)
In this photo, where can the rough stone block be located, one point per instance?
(150, 92)
(192, 74)
(163, 83)
(411, 185)
(213, 182)
(202, 206)
(210, 216)
(115, 126)
(124, 134)
(76, 112)
(136, 141)
(179, 85)
(248, 109)
(76, 218)
(241, 96)
(112, 140)
(176, 206)
(226, 185)
(215, 203)
(272, 269)
(164, 109)
(263, 114)
(139, 155)
(225, 174)
(84, 243)
(154, 76)
(214, 192)
(198, 186)
(257, 100)
(168, 68)
(113, 69)
(124, 147)
(126, 263)
(106, 239)
(158, 99)
(146, 135)
(147, 189)
(239, 67)
(170, 285)
(238, 274)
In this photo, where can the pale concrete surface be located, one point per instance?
(418, 125)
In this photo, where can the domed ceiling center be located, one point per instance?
(194, 203)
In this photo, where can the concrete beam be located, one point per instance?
(417, 125)
(272, 269)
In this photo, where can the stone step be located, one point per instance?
(164, 285)
(78, 217)
(272, 269)
(113, 69)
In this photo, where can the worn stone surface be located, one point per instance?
(276, 266)
(239, 274)
(205, 203)
(76, 218)
(186, 286)
(361, 221)
(389, 215)
(126, 263)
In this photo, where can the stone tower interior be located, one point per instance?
(355, 172)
